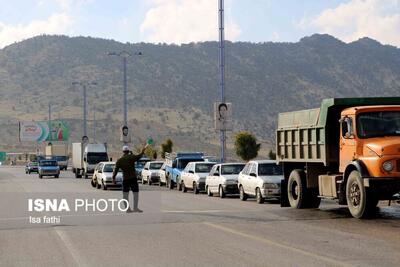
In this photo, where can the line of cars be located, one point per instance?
(43, 167)
(260, 179)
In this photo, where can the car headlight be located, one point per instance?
(270, 186)
(387, 166)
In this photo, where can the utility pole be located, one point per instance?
(84, 85)
(49, 119)
(94, 123)
(124, 55)
(222, 71)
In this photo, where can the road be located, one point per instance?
(178, 229)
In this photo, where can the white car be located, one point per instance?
(163, 177)
(260, 179)
(102, 176)
(150, 172)
(223, 179)
(194, 176)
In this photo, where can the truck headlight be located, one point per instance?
(270, 186)
(387, 166)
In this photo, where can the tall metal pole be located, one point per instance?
(94, 123)
(50, 118)
(222, 70)
(125, 93)
(84, 110)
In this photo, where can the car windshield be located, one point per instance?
(203, 167)
(48, 163)
(109, 168)
(61, 158)
(155, 166)
(232, 169)
(378, 124)
(269, 169)
(94, 158)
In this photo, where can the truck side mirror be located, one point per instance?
(110, 159)
(253, 174)
(84, 159)
(192, 172)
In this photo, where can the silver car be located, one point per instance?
(150, 172)
(194, 176)
(260, 179)
(223, 179)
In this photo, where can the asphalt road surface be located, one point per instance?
(178, 229)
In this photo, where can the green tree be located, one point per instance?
(272, 155)
(246, 146)
(166, 147)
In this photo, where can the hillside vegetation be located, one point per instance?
(172, 88)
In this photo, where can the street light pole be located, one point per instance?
(124, 55)
(222, 70)
(84, 85)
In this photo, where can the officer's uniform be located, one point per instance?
(127, 164)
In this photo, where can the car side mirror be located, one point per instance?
(191, 172)
(253, 174)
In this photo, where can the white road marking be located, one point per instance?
(78, 261)
(277, 244)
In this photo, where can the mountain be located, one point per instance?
(171, 88)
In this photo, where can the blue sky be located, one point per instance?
(183, 21)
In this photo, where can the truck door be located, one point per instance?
(347, 142)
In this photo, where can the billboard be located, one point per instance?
(40, 131)
(223, 116)
(3, 156)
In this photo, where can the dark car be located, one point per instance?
(31, 167)
(48, 167)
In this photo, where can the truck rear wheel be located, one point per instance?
(296, 189)
(361, 202)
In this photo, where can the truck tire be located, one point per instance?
(92, 183)
(179, 186)
(360, 201)
(170, 183)
(56, 176)
(296, 189)
(40, 176)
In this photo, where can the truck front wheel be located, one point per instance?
(361, 203)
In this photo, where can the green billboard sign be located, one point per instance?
(3, 156)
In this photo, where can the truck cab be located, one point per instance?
(175, 163)
(348, 149)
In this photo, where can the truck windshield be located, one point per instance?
(183, 162)
(94, 158)
(378, 124)
(269, 169)
(232, 169)
(141, 162)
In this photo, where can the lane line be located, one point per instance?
(277, 244)
(196, 211)
(78, 261)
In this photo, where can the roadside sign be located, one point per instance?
(223, 116)
(3, 156)
(125, 136)
(150, 141)
(41, 131)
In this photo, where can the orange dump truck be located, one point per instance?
(348, 149)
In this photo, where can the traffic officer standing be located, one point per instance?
(127, 164)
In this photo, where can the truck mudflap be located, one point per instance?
(284, 195)
(384, 188)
